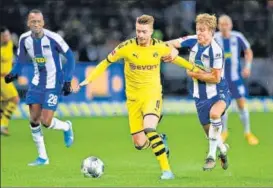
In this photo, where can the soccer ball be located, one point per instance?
(92, 167)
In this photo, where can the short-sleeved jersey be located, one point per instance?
(6, 57)
(45, 55)
(207, 57)
(142, 66)
(232, 46)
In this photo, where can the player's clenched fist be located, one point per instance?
(10, 78)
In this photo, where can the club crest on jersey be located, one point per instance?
(135, 55)
(46, 46)
(155, 55)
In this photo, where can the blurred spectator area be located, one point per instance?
(92, 28)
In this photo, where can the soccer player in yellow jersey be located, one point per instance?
(142, 56)
(9, 95)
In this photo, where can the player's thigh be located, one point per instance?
(46, 117)
(220, 104)
(241, 102)
(8, 91)
(217, 109)
(135, 116)
(35, 95)
(237, 89)
(151, 110)
(35, 111)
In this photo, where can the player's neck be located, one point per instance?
(226, 34)
(206, 43)
(38, 35)
(146, 44)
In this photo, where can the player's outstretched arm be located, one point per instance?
(186, 64)
(100, 68)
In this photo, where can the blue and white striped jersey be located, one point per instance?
(232, 46)
(208, 57)
(45, 55)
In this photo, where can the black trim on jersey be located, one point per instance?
(108, 60)
(154, 41)
(150, 114)
(136, 41)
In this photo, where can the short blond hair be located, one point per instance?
(209, 20)
(225, 17)
(145, 19)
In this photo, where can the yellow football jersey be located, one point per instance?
(6, 58)
(142, 66)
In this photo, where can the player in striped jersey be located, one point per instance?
(50, 80)
(210, 89)
(233, 43)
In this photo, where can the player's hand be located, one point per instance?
(67, 89)
(246, 72)
(76, 89)
(10, 78)
(169, 58)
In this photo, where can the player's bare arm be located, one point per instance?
(248, 63)
(210, 77)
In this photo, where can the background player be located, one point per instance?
(142, 57)
(48, 82)
(233, 42)
(9, 95)
(210, 89)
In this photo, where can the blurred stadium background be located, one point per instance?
(92, 28)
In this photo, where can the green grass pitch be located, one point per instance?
(109, 139)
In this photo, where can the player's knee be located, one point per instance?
(46, 121)
(139, 140)
(215, 114)
(148, 130)
(15, 100)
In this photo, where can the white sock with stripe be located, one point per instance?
(38, 138)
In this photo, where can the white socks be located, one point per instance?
(244, 116)
(38, 138)
(59, 125)
(215, 130)
(224, 122)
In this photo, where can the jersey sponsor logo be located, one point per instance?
(227, 55)
(142, 67)
(40, 60)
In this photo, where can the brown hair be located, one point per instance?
(209, 20)
(145, 19)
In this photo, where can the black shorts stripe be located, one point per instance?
(150, 114)
(137, 132)
(160, 152)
